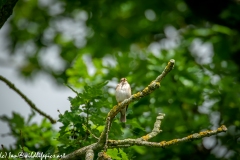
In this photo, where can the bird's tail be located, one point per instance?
(123, 118)
(123, 115)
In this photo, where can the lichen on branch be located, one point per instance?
(104, 143)
(163, 144)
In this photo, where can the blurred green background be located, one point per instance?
(82, 42)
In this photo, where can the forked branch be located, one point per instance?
(163, 144)
(104, 143)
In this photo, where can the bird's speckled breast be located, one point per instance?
(123, 92)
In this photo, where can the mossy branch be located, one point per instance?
(104, 143)
(146, 91)
(163, 144)
(156, 129)
(142, 141)
(89, 154)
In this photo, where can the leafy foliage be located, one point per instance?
(135, 39)
(30, 137)
(117, 154)
(85, 118)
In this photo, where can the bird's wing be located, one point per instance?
(117, 86)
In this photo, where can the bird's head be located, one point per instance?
(123, 79)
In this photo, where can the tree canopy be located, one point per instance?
(90, 45)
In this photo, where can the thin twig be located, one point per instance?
(87, 107)
(90, 132)
(22, 144)
(29, 102)
(106, 145)
(4, 156)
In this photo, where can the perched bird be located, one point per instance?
(123, 91)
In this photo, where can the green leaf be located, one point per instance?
(113, 153)
(123, 154)
(135, 124)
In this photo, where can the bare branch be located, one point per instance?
(29, 102)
